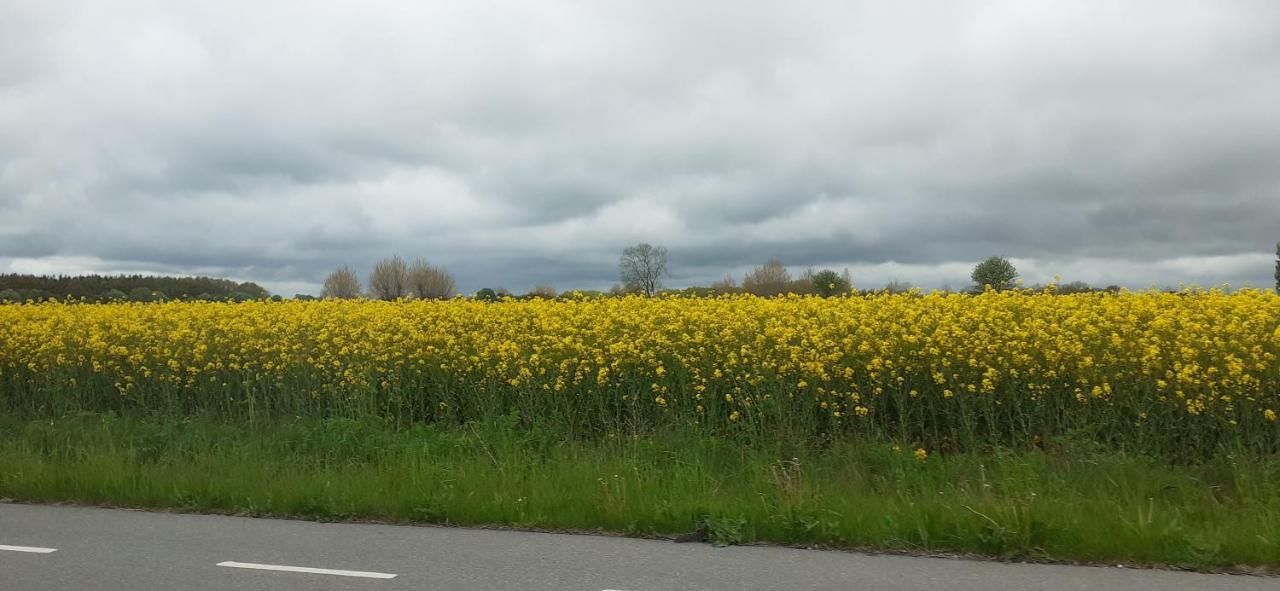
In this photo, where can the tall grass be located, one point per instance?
(1075, 500)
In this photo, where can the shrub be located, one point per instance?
(829, 283)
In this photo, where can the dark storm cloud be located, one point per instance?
(518, 144)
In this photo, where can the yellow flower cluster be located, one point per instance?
(997, 366)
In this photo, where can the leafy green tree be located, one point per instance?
(829, 283)
(997, 272)
(254, 291)
(10, 295)
(487, 295)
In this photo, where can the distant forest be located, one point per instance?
(140, 288)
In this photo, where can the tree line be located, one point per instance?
(16, 287)
(641, 269)
(392, 279)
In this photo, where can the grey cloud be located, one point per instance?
(522, 144)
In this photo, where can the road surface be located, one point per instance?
(48, 548)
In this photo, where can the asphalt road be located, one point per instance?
(50, 548)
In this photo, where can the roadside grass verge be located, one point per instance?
(1069, 501)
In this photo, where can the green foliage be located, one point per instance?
(10, 296)
(487, 294)
(829, 283)
(996, 272)
(36, 295)
(93, 287)
(1074, 287)
(725, 531)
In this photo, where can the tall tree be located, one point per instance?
(997, 272)
(428, 282)
(389, 279)
(767, 280)
(641, 268)
(342, 283)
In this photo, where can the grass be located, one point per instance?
(1071, 500)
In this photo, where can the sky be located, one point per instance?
(520, 143)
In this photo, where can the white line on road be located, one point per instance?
(307, 569)
(31, 549)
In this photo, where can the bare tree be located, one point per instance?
(767, 280)
(804, 283)
(544, 291)
(726, 285)
(642, 267)
(389, 279)
(428, 282)
(342, 284)
(895, 287)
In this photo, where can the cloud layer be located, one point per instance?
(519, 143)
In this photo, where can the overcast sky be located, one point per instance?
(518, 143)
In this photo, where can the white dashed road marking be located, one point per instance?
(307, 569)
(31, 549)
